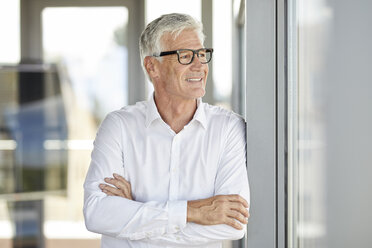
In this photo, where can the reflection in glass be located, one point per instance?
(222, 44)
(90, 43)
(308, 34)
(32, 112)
(90, 46)
(49, 115)
(9, 30)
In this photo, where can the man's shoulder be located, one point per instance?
(215, 113)
(129, 112)
(226, 122)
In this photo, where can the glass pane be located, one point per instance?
(32, 112)
(49, 114)
(156, 8)
(90, 46)
(90, 43)
(307, 186)
(222, 56)
(9, 31)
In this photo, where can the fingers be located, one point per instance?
(117, 183)
(233, 223)
(121, 179)
(232, 198)
(122, 187)
(234, 208)
(239, 208)
(238, 198)
(235, 202)
(111, 190)
(237, 216)
(107, 192)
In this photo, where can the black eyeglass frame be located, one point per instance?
(193, 55)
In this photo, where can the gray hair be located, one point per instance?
(150, 41)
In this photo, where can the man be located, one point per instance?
(169, 172)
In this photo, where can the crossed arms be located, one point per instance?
(220, 209)
(110, 210)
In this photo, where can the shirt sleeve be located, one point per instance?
(117, 216)
(231, 178)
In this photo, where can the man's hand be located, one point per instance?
(121, 187)
(220, 209)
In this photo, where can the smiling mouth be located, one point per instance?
(194, 79)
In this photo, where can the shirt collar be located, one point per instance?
(153, 114)
(200, 113)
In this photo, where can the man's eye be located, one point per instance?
(185, 56)
(202, 55)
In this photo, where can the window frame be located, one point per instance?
(31, 35)
(266, 115)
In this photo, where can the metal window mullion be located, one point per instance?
(281, 121)
(266, 114)
(292, 37)
(261, 113)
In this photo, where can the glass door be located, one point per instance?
(89, 46)
(308, 35)
(49, 115)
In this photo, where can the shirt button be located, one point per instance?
(177, 228)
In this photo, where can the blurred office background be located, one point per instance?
(64, 65)
(297, 70)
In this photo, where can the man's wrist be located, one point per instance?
(192, 211)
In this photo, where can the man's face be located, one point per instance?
(182, 81)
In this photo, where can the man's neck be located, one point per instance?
(176, 112)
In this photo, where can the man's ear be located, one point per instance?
(150, 64)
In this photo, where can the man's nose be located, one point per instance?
(196, 60)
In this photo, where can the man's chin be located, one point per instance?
(200, 94)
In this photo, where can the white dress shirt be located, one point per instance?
(165, 169)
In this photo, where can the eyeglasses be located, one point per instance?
(186, 56)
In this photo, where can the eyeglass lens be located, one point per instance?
(186, 56)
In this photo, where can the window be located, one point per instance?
(9, 30)
(308, 27)
(49, 115)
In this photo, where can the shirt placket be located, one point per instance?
(174, 168)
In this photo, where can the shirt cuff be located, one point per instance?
(177, 211)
